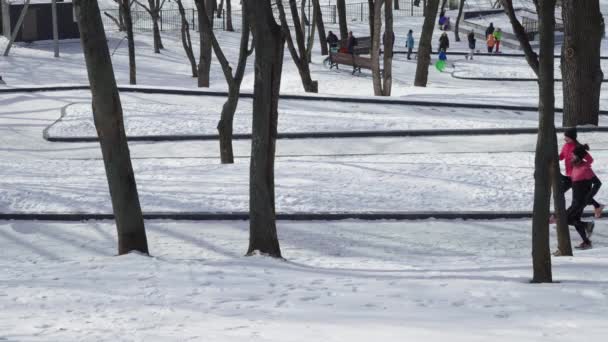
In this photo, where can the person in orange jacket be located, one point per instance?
(491, 41)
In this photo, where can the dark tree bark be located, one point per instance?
(564, 247)
(457, 26)
(299, 56)
(125, 6)
(204, 61)
(546, 144)
(229, 16)
(443, 3)
(154, 7)
(220, 8)
(269, 46)
(520, 32)
(320, 28)
(225, 125)
(424, 46)
(382, 83)
(341, 7)
(580, 64)
(108, 117)
(371, 16)
(396, 4)
(186, 41)
(311, 36)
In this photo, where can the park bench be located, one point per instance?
(363, 47)
(357, 62)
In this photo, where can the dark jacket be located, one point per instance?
(472, 40)
(444, 42)
(490, 30)
(351, 43)
(332, 40)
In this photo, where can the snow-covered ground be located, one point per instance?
(350, 280)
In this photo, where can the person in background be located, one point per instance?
(409, 43)
(498, 37)
(472, 41)
(444, 42)
(332, 40)
(351, 42)
(444, 22)
(490, 29)
(491, 41)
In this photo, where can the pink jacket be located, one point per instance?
(566, 156)
(582, 171)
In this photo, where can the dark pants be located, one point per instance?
(580, 195)
(409, 52)
(490, 48)
(596, 184)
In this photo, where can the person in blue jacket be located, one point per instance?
(409, 43)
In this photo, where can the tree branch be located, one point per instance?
(520, 32)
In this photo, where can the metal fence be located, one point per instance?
(170, 19)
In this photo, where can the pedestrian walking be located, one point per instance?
(490, 41)
(444, 42)
(490, 29)
(472, 41)
(497, 37)
(332, 40)
(409, 43)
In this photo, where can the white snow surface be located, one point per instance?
(350, 280)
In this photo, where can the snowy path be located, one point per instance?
(427, 280)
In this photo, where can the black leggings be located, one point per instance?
(596, 184)
(580, 196)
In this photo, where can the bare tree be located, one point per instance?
(225, 125)
(320, 27)
(125, 7)
(341, 6)
(229, 16)
(299, 56)
(220, 8)
(186, 41)
(269, 47)
(546, 144)
(154, 9)
(458, 19)
(204, 62)
(371, 16)
(424, 46)
(443, 3)
(108, 117)
(311, 35)
(382, 83)
(580, 62)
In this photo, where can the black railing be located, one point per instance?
(170, 19)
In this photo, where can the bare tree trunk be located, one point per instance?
(186, 41)
(229, 16)
(154, 10)
(269, 45)
(299, 56)
(371, 16)
(108, 117)
(581, 69)
(375, 49)
(321, 28)
(225, 125)
(564, 247)
(520, 32)
(204, 62)
(341, 6)
(389, 43)
(311, 37)
(220, 8)
(457, 26)
(424, 47)
(125, 7)
(443, 3)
